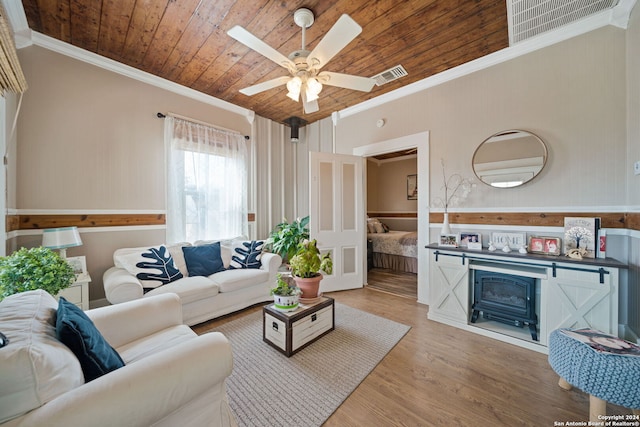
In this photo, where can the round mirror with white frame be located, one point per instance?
(509, 158)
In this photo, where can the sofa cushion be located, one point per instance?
(247, 254)
(189, 289)
(77, 331)
(232, 280)
(34, 367)
(153, 266)
(203, 260)
(155, 343)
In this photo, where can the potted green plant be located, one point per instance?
(285, 296)
(285, 237)
(34, 268)
(306, 265)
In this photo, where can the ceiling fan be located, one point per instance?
(306, 79)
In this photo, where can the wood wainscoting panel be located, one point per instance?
(633, 221)
(541, 219)
(533, 219)
(38, 222)
(392, 214)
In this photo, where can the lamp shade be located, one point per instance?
(61, 238)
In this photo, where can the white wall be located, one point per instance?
(571, 94)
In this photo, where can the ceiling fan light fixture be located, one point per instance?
(313, 88)
(293, 86)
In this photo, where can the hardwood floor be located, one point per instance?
(438, 375)
(393, 282)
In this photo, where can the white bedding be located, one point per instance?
(403, 243)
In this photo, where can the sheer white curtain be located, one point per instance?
(206, 182)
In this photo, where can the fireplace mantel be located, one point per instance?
(571, 293)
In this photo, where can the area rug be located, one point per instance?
(268, 389)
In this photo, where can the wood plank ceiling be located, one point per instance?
(185, 41)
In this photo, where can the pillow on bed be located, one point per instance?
(378, 227)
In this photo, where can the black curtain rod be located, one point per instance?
(162, 116)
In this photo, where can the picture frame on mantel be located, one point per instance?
(471, 240)
(449, 240)
(545, 245)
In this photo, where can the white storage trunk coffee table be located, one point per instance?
(292, 331)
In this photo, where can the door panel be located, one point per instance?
(337, 217)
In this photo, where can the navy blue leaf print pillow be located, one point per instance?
(153, 267)
(247, 255)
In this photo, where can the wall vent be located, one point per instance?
(529, 18)
(390, 75)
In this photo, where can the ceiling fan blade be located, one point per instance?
(341, 34)
(269, 84)
(253, 42)
(347, 81)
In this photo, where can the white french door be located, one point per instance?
(337, 217)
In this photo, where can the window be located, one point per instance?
(206, 182)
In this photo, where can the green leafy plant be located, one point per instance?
(285, 237)
(35, 268)
(308, 262)
(284, 289)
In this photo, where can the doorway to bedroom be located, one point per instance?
(393, 215)
(392, 222)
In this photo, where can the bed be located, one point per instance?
(395, 250)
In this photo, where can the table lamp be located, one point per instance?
(61, 238)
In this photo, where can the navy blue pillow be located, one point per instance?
(203, 260)
(247, 255)
(75, 330)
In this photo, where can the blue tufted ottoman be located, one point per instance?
(606, 377)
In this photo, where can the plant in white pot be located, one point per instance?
(306, 265)
(285, 296)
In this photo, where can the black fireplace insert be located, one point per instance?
(505, 298)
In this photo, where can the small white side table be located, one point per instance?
(78, 292)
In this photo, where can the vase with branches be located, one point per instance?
(456, 189)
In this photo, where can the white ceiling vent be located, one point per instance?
(390, 75)
(528, 18)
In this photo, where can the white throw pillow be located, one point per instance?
(34, 367)
(178, 257)
(154, 266)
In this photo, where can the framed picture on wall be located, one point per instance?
(412, 187)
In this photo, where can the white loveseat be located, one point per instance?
(203, 297)
(171, 377)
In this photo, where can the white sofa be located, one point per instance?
(171, 377)
(203, 298)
